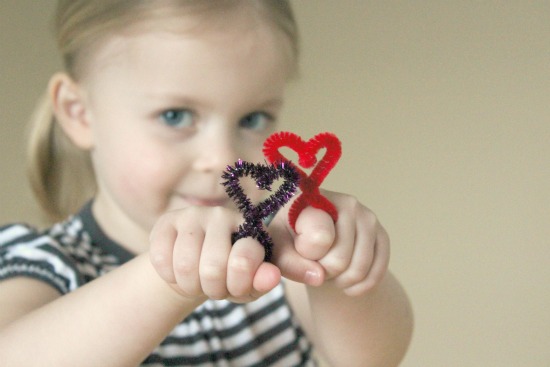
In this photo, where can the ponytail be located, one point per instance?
(60, 174)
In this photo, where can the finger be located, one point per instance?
(338, 259)
(370, 248)
(379, 266)
(315, 233)
(161, 242)
(266, 278)
(363, 253)
(187, 251)
(214, 257)
(293, 265)
(245, 258)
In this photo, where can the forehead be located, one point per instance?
(161, 48)
(233, 68)
(235, 25)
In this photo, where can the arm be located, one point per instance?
(21, 295)
(119, 318)
(370, 330)
(115, 320)
(356, 313)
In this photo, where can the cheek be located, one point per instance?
(147, 173)
(251, 151)
(139, 173)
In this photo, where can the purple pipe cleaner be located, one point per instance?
(264, 175)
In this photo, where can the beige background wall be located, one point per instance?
(443, 110)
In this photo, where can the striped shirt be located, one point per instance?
(218, 333)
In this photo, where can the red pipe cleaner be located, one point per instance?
(309, 185)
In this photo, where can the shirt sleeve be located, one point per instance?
(25, 252)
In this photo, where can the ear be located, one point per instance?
(70, 109)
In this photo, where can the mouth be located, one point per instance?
(204, 201)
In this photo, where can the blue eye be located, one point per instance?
(177, 118)
(256, 121)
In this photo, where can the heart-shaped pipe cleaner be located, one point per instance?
(264, 175)
(307, 150)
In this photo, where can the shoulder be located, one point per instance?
(14, 232)
(28, 252)
(16, 237)
(25, 284)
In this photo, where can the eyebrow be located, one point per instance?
(183, 100)
(170, 96)
(273, 102)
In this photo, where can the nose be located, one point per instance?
(216, 151)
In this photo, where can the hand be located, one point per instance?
(352, 253)
(191, 250)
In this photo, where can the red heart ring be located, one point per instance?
(307, 151)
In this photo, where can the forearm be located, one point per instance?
(370, 330)
(116, 320)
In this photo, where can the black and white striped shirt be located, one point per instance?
(217, 333)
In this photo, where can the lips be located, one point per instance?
(196, 201)
(192, 200)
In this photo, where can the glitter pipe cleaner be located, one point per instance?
(264, 175)
(309, 185)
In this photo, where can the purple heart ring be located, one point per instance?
(264, 175)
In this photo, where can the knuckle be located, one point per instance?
(219, 214)
(350, 201)
(335, 264)
(384, 237)
(241, 264)
(217, 294)
(353, 204)
(353, 277)
(212, 272)
(368, 217)
(240, 292)
(354, 201)
(320, 237)
(159, 260)
(185, 268)
(357, 290)
(190, 292)
(244, 298)
(189, 288)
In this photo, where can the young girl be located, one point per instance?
(157, 98)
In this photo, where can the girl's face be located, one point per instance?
(169, 111)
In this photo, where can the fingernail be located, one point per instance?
(312, 277)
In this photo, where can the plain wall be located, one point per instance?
(443, 111)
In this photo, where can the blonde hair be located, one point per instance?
(60, 174)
